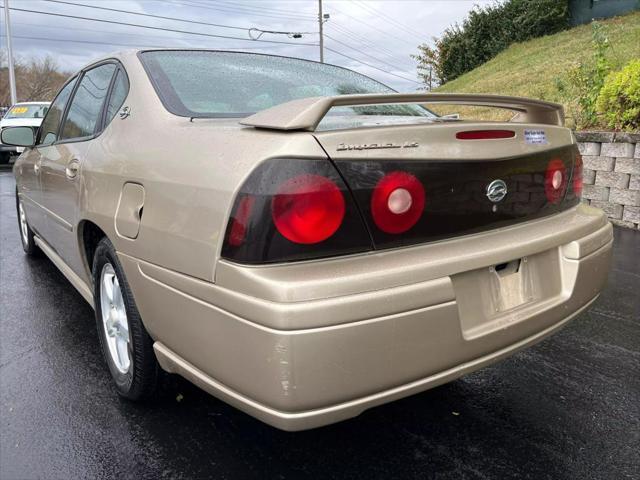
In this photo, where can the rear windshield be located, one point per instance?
(27, 111)
(228, 84)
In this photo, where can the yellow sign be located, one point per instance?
(18, 110)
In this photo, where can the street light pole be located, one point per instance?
(320, 22)
(12, 75)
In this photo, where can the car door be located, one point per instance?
(30, 166)
(62, 161)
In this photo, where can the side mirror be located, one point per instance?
(18, 136)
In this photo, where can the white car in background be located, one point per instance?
(23, 114)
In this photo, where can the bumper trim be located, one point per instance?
(589, 244)
(309, 315)
(294, 421)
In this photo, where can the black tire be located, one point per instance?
(26, 238)
(141, 379)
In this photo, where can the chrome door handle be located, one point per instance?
(72, 169)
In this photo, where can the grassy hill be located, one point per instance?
(529, 69)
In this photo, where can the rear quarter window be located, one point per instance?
(86, 106)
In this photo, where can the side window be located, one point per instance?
(118, 94)
(49, 130)
(86, 105)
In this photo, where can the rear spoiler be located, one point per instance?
(306, 113)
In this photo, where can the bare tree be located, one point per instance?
(5, 92)
(36, 79)
(41, 80)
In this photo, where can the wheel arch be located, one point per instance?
(89, 235)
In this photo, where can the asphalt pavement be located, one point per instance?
(566, 408)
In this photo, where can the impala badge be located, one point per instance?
(375, 146)
(496, 191)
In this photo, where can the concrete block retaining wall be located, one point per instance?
(612, 174)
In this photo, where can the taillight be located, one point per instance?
(555, 180)
(294, 209)
(577, 175)
(239, 224)
(308, 208)
(397, 202)
(485, 134)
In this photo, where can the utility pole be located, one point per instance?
(12, 75)
(320, 22)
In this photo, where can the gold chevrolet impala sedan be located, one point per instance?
(298, 239)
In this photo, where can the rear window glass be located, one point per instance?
(28, 111)
(229, 84)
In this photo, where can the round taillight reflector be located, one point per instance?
(555, 181)
(397, 202)
(308, 208)
(400, 200)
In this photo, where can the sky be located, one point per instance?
(373, 37)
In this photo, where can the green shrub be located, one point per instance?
(619, 98)
(580, 86)
(486, 32)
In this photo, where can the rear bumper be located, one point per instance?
(300, 346)
(294, 421)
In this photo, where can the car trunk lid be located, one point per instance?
(460, 177)
(427, 179)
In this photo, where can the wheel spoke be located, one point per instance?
(114, 318)
(122, 351)
(24, 229)
(122, 328)
(117, 300)
(108, 286)
(110, 323)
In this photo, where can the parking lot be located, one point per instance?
(566, 408)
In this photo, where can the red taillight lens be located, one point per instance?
(397, 202)
(577, 176)
(291, 209)
(308, 208)
(555, 181)
(485, 134)
(240, 221)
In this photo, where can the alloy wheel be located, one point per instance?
(114, 319)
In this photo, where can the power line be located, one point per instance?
(186, 32)
(351, 34)
(254, 7)
(392, 55)
(372, 66)
(113, 22)
(372, 27)
(236, 6)
(196, 22)
(134, 45)
(111, 32)
(361, 52)
(225, 9)
(93, 30)
(378, 13)
(91, 42)
(148, 15)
